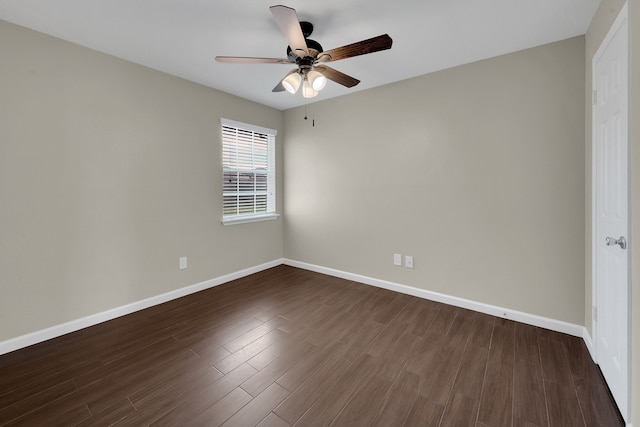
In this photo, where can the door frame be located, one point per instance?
(622, 16)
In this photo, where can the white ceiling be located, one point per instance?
(182, 37)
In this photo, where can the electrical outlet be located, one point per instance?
(397, 259)
(408, 261)
(182, 262)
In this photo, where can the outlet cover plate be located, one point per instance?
(408, 261)
(397, 259)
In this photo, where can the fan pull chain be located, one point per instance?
(313, 118)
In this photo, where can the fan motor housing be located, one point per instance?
(307, 29)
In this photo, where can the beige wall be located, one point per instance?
(109, 172)
(600, 25)
(479, 172)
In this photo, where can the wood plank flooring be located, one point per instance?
(289, 347)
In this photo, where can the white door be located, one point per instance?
(610, 127)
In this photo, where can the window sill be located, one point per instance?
(246, 219)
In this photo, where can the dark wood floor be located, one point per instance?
(291, 347)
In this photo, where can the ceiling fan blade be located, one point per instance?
(337, 76)
(287, 20)
(363, 47)
(251, 60)
(279, 87)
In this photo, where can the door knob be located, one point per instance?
(612, 242)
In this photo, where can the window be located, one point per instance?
(248, 173)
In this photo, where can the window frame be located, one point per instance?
(270, 174)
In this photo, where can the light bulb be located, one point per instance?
(291, 83)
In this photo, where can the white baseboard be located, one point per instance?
(75, 325)
(586, 336)
(518, 316)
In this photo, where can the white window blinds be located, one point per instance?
(248, 164)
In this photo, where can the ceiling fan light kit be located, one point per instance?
(307, 54)
(312, 82)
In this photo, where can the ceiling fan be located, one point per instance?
(309, 56)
